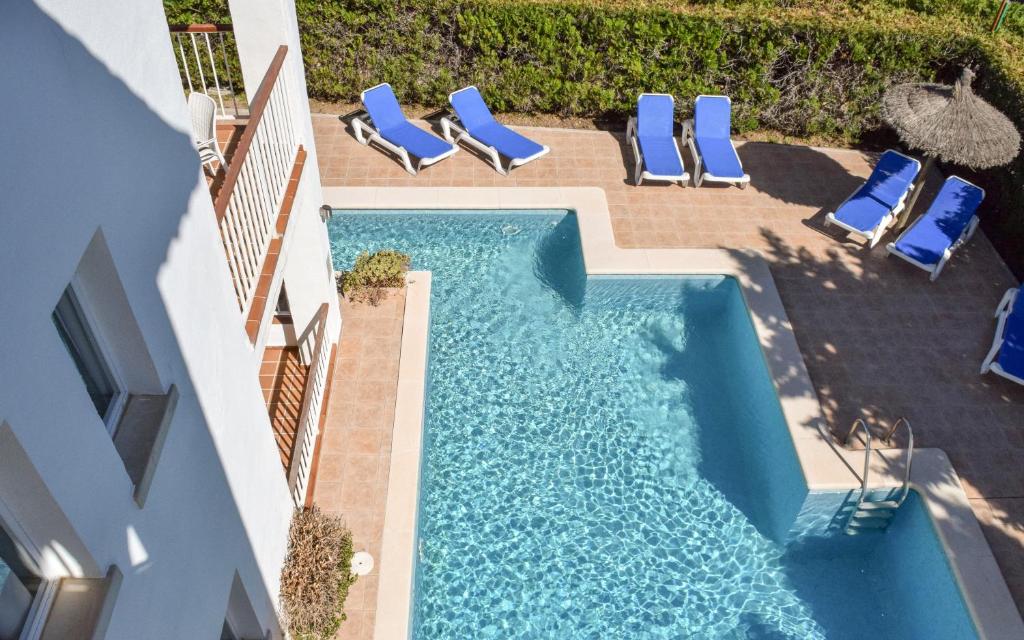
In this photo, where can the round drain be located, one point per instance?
(362, 563)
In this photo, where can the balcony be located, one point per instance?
(294, 381)
(254, 191)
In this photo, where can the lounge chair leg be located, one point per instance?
(938, 268)
(496, 161)
(407, 162)
(1004, 303)
(357, 128)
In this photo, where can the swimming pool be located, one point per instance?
(605, 457)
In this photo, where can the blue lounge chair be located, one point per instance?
(473, 123)
(948, 223)
(708, 136)
(873, 207)
(389, 127)
(651, 134)
(1006, 357)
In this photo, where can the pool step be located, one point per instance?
(882, 506)
(857, 526)
(872, 513)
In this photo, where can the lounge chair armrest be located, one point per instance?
(1006, 302)
(631, 127)
(359, 127)
(688, 131)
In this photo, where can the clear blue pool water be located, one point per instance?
(605, 457)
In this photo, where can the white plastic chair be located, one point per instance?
(204, 129)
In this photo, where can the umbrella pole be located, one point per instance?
(904, 218)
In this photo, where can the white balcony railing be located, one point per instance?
(208, 62)
(254, 185)
(314, 350)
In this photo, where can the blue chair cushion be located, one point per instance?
(712, 123)
(888, 183)
(383, 107)
(862, 211)
(712, 117)
(469, 105)
(415, 140)
(719, 157)
(943, 223)
(661, 156)
(891, 178)
(1011, 354)
(655, 116)
(654, 129)
(391, 123)
(508, 143)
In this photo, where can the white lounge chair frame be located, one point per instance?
(875, 235)
(936, 269)
(362, 127)
(1002, 313)
(689, 135)
(639, 175)
(451, 123)
(203, 111)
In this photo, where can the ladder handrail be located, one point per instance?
(859, 422)
(905, 489)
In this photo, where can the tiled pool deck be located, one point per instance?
(352, 473)
(878, 338)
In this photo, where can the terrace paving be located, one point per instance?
(879, 340)
(355, 457)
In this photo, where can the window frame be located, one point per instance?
(83, 306)
(43, 599)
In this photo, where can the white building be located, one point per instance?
(144, 492)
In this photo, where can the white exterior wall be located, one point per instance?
(261, 26)
(96, 137)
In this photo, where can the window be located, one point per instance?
(20, 585)
(227, 633)
(283, 310)
(81, 344)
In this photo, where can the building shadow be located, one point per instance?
(89, 152)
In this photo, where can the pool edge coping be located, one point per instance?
(824, 466)
(401, 507)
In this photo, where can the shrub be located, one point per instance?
(372, 274)
(805, 68)
(316, 575)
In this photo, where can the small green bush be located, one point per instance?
(372, 274)
(316, 576)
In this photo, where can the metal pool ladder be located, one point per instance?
(873, 513)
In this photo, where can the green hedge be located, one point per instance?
(805, 68)
(798, 74)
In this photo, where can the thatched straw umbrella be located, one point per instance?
(951, 124)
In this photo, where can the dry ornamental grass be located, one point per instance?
(317, 575)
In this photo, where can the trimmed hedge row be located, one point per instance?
(805, 68)
(800, 74)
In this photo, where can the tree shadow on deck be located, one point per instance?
(880, 341)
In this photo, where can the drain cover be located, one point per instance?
(362, 563)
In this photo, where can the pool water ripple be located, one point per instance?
(584, 470)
